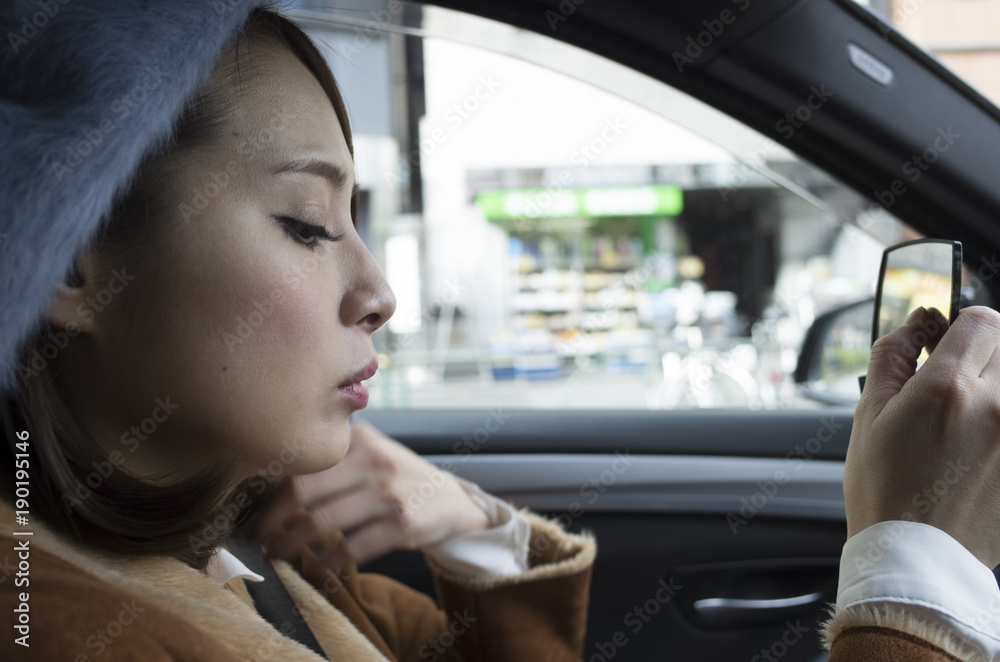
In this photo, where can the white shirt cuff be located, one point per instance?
(920, 565)
(501, 549)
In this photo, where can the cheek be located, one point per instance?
(252, 355)
(279, 357)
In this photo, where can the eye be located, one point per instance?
(306, 234)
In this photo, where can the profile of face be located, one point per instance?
(249, 333)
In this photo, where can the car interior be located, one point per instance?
(719, 522)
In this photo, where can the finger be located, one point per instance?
(894, 359)
(313, 489)
(305, 492)
(941, 321)
(334, 558)
(315, 525)
(350, 511)
(375, 539)
(968, 346)
(992, 369)
(289, 542)
(270, 518)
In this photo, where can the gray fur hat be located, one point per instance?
(87, 88)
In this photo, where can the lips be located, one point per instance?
(353, 390)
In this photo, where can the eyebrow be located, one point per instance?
(336, 175)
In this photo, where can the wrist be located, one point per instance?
(474, 517)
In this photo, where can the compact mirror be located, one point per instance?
(924, 272)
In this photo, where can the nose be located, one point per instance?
(369, 301)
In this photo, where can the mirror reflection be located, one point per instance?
(914, 275)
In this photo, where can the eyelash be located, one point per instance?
(299, 230)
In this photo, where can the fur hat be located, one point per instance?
(87, 88)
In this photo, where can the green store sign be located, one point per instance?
(611, 201)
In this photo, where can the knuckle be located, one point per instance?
(296, 488)
(982, 315)
(323, 519)
(993, 412)
(394, 495)
(381, 460)
(946, 393)
(892, 347)
(403, 516)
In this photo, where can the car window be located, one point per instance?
(562, 232)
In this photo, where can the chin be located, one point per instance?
(317, 452)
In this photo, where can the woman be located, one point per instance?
(160, 421)
(190, 424)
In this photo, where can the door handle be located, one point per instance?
(713, 608)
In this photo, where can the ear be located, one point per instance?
(68, 307)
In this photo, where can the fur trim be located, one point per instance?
(335, 633)
(556, 553)
(897, 617)
(178, 588)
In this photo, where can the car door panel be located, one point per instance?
(703, 552)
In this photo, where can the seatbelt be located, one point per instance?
(271, 598)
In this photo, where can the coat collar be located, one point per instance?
(199, 599)
(223, 566)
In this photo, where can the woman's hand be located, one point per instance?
(382, 495)
(926, 446)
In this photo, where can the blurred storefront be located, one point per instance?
(552, 244)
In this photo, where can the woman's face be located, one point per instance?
(256, 323)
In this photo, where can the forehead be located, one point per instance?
(281, 112)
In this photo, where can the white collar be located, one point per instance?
(223, 566)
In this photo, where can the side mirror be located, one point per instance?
(835, 351)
